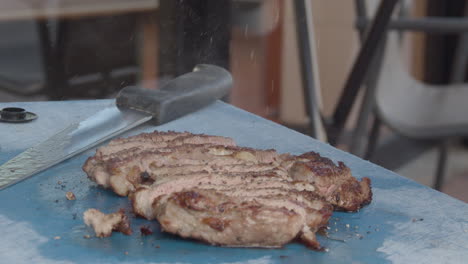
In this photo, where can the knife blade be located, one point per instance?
(133, 106)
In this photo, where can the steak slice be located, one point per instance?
(334, 183)
(158, 140)
(144, 197)
(124, 175)
(219, 219)
(169, 170)
(118, 149)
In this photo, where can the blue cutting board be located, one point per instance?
(405, 223)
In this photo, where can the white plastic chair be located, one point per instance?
(419, 110)
(415, 109)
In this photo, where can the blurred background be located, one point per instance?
(292, 63)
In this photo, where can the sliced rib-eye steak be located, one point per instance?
(207, 188)
(246, 221)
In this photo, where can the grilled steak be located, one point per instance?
(207, 188)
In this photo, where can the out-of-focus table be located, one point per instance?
(63, 10)
(45, 9)
(405, 223)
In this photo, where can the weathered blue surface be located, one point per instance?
(406, 222)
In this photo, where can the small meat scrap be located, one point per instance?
(70, 196)
(104, 224)
(145, 231)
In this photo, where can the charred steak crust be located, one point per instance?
(207, 188)
(334, 183)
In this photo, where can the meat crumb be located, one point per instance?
(126, 252)
(104, 224)
(57, 238)
(87, 236)
(145, 231)
(157, 246)
(70, 196)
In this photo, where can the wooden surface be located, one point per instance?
(40, 9)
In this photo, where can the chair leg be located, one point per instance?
(373, 138)
(367, 105)
(441, 164)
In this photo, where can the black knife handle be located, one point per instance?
(180, 96)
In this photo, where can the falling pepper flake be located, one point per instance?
(126, 252)
(87, 236)
(70, 196)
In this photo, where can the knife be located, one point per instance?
(133, 106)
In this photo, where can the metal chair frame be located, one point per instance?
(427, 25)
